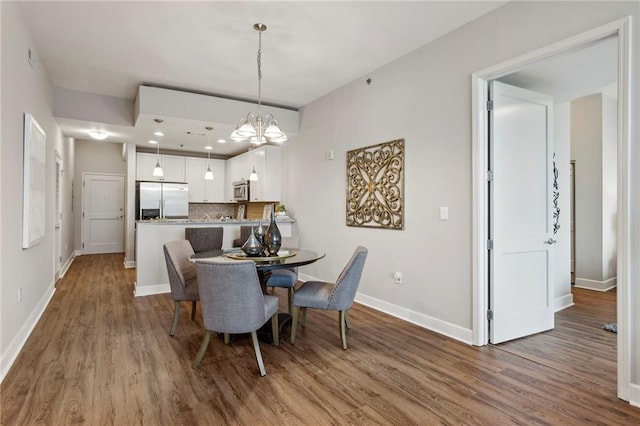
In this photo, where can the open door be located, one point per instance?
(520, 213)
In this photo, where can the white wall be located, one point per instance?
(425, 97)
(25, 88)
(593, 147)
(93, 157)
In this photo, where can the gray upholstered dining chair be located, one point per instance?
(182, 277)
(337, 297)
(203, 239)
(245, 231)
(287, 277)
(232, 302)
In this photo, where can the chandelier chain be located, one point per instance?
(259, 70)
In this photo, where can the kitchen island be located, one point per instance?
(151, 269)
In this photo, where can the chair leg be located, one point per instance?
(256, 347)
(291, 300)
(203, 349)
(304, 317)
(227, 339)
(275, 329)
(193, 310)
(346, 319)
(343, 334)
(294, 323)
(176, 315)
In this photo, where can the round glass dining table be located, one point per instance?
(287, 258)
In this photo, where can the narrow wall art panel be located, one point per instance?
(375, 186)
(34, 180)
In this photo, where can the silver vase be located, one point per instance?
(252, 247)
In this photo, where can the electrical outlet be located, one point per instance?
(397, 276)
(20, 295)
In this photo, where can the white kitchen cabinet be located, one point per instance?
(172, 167)
(238, 168)
(267, 161)
(201, 190)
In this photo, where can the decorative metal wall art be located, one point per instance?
(556, 194)
(375, 186)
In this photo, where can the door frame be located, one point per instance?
(480, 283)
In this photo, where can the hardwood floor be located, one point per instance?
(100, 356)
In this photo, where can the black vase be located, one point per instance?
(272, 237)
(252, 246)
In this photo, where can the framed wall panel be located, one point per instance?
(34, 181)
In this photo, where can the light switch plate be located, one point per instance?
(444, 213)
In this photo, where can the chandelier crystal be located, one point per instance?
(256, 128)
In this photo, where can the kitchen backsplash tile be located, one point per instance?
(198, 211)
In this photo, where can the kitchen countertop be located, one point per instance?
(211, 221)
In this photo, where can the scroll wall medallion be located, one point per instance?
(375, 186)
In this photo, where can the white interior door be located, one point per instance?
(103, 213)
(520, 279)
(57, 221)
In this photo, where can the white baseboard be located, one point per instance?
(634, 395)
(63, 270)
(9, 356)
(441, 327)
(128, 264)
(563, 302)
(596, 285)
(148, 290)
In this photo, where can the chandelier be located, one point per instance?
(256, 128)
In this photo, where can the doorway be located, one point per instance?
(480, 217)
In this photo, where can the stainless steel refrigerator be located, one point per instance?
(162, 200)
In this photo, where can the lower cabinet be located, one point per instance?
(201, 190)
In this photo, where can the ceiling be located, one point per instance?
(309, 50)
(102, 52)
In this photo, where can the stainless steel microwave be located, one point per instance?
(241, 190)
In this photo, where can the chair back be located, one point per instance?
(203, 239)
(182, 273)
(344, 291)
(230, 296)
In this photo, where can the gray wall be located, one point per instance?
(25, 88)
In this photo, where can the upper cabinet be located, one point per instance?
(267, 161)
(173, 167)
(201, 190)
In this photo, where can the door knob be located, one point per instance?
(550, 241)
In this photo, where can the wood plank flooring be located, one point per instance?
(99, 356)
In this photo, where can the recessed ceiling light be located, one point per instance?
(222, 141)
(153, 142)
(158, 133)
(98, 134)
(208, 147)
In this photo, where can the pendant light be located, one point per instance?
(253, 176)
(254, 127)
(208, 175)
(157, 170)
